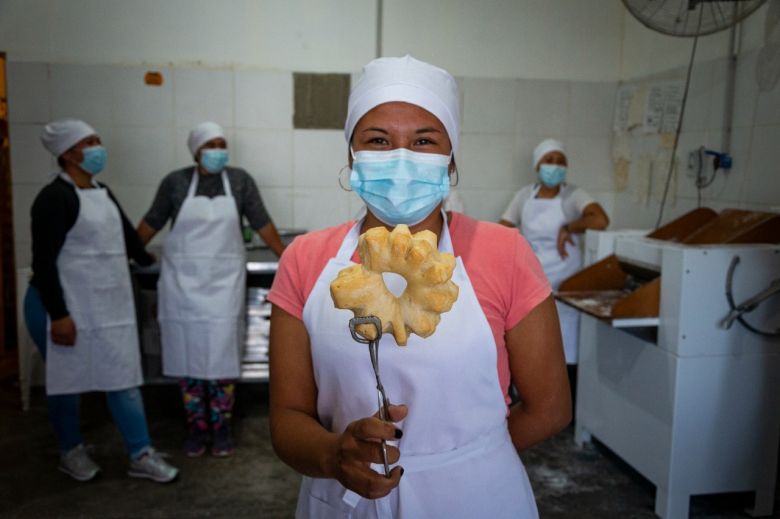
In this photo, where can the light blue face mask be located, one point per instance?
(214, 160)
(95, 158)
(400, 185)
(552, 175)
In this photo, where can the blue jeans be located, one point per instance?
(127, 405)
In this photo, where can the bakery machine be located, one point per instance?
(679, 364)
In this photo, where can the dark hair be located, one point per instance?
(60, 160)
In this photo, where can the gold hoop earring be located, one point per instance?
(457, 178)
(341, 183)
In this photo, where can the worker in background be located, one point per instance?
(552, 215)
(79, 306)
(202, 282)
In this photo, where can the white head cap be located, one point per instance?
(545, 147)
(411, 81)
(59, 136)
(202, 134)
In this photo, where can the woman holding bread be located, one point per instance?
(453, 437)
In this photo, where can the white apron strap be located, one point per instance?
(193, 183)
(445, 242)
(350, 242)
(64, 176)
(226, 184)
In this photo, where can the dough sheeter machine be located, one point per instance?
(679, 363)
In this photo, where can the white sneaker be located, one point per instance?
(151, 465)
(77, 464)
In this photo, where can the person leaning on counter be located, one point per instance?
(553, 214)
(203, 281)
(79, 307)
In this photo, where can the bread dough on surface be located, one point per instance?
(429, 289)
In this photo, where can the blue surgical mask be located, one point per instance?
(400, 185)
(214, 160)
(94, 159)
(552, 175)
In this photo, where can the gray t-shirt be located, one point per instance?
(575, 200)
(174, 187)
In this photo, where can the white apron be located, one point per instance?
(202, 288)
(456, 451)
(540, 222)
(95, 279)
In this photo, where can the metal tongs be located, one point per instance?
(373, 349)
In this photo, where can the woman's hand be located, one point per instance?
(63, 331)
(297, 434)
(358, 446)
(593, 217)
(564, 237)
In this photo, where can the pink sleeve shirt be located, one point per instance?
(507, 278)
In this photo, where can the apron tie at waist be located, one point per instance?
(488, 441)
(422, 462)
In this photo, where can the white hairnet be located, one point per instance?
(411, 81)
(59, 136)
(545, 147)
(202, 134)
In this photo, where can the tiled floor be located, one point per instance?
(569, 482)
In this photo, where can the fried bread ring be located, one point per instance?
(429, 288)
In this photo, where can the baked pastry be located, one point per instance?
(429, 289)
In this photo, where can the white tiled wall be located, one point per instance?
(542, 107)
(137, 154)
(266, 154)
(315, 208)
(504, 119)
(754, 181)
(29, 162)
(278, 202)
(30, 90)
(145, 130)
(762, 183)
(137, 105)
(318, 155)
(487, 160)
(84, 91)
(202, 95)
(491, 105)
(272, 108)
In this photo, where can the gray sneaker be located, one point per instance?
(77, 464)
(151, 465)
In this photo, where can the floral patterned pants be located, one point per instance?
(207, 401)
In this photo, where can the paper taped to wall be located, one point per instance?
(654, 107)
(622, 108)
(663, 108)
